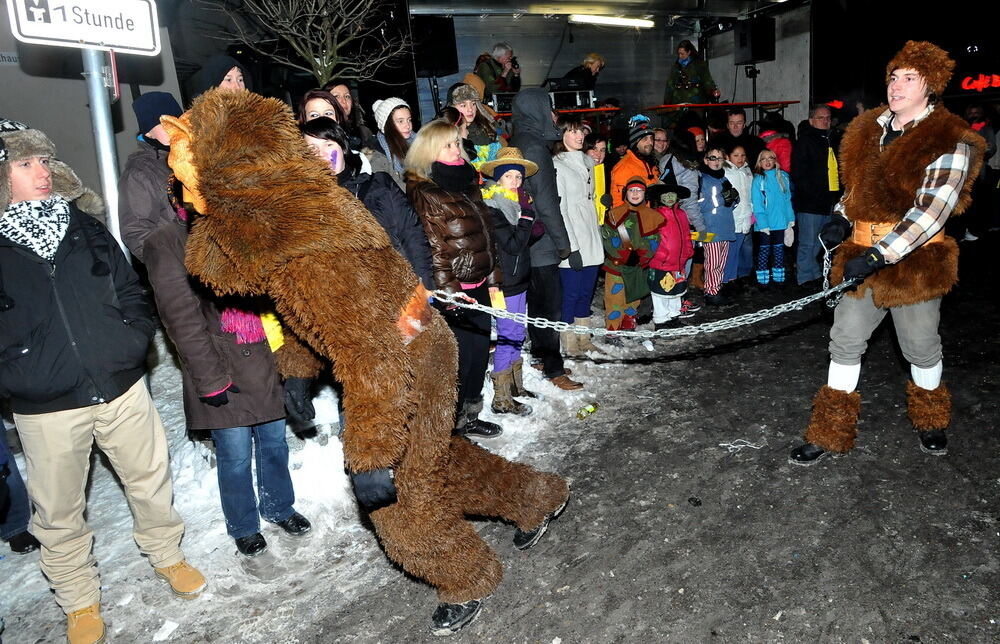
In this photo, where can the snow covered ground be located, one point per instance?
(246, 597)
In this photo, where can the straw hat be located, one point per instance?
(509, 156)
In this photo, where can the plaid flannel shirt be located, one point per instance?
(933, 202)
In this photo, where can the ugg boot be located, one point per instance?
(517, 389)
(834, 423)
(85, 626)
(570, 343)
(503, 400)
(585, 343)
(930, 412)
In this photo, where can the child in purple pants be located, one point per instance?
(514, 229)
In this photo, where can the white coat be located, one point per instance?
(742, 180)
(575, 183)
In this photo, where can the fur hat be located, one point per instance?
(382, 110)
(17, 142)
(927, 58)
(464, 93)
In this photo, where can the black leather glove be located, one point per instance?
(606, 200)
(221, 398)
(731, 197)
(575, 260)
(298, 399)
(374, 489)
(564, 252)
(834, 231)
(864, 264)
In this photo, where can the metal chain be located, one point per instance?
(707, 327)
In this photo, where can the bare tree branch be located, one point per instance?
(347, 39)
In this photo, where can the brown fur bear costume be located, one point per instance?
(273, 222)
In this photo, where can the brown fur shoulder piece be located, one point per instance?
(881, 186)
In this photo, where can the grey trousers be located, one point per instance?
(855, 319)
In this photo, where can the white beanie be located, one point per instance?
(382, 110)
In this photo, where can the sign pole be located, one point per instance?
(100, 118)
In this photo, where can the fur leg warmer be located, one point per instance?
(834, 422)
(928, 409)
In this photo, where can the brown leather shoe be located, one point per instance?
(537, 366)
(564, 382)
(85, 626)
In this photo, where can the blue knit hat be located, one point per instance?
(150, 107)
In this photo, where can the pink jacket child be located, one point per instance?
(667, 275)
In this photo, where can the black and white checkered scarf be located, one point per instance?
(39, 225)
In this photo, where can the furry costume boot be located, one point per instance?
(503, 399)
(834, 422)
(930, 412)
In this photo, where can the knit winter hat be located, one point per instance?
(17, 142)
(638, 130)
(150, 107)
(382, 110)
(634, 181)
(927, 58)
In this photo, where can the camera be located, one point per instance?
(513, 63)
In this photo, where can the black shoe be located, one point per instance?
(673, 323)
(806, 454)
(524, 540)
(716, 300)
(23, 543)
(451, 618)
(480, 427)
(251, 546)
(295, 525)
(931, 442)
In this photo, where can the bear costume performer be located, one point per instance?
(905, 168)
(272, 221)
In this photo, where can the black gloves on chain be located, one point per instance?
(834, 231)
(864, 264)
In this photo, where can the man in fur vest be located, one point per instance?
(905, 170)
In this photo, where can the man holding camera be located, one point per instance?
(499, 70)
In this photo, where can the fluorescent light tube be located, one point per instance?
(611, 21)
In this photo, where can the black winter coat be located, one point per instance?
(393, 211)
(534, 133)
(142, 203)
(70, 338)
(210, 358)
(809, 172)
(513, 241)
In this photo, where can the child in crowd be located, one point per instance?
(629, 235)
(514, 229)
(667, 275)
(395, 134)
(739, 261)
(718, 197)
(772, 207)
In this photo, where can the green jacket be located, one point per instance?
(689, 84)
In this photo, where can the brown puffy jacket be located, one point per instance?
(460, 233)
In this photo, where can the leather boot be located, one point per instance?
(503, 400)
(517, 389)
(930, 412)
(834, 422)
(570, 343)
(585, 343)
(85, 626)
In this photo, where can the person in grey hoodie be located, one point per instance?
(534, 133)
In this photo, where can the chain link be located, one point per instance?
(707, 327)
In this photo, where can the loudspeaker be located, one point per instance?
(754, 41)
(434, 49)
